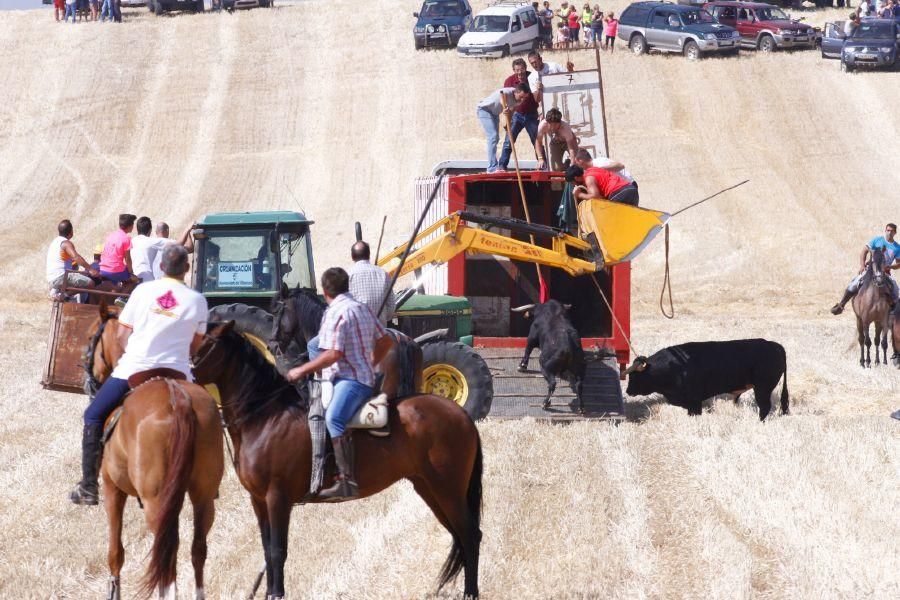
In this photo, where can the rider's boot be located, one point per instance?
(344, 487)
(839, 307)
(86, 491)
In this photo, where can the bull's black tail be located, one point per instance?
(785, 410)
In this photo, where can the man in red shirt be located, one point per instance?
(604, 182)
(525, 115)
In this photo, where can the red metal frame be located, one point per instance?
(620, 274)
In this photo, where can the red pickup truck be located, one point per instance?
(762, 26)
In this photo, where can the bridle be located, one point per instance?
(213, 343)
(91, 383)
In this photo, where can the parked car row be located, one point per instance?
(720, 27)
(874, 43)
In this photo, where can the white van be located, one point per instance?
(500, 30)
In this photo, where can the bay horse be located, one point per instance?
(895, 334)
(432, 443)
(167, 441)
(871, 305)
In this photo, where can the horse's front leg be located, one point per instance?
(861, 338)
(279, 509)
(262, 518)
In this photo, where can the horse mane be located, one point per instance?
(308, 309)
(262, 391)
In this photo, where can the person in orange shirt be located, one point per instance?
(62, 256)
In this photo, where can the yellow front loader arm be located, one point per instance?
(457, 237)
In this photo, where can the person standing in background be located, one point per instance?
(612, 27)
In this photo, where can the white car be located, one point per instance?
(501, 30)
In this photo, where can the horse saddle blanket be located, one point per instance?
(373, 414)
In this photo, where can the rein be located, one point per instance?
(91, 385)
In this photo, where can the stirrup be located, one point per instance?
(342, 489)
(82, 496)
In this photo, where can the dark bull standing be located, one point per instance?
(560, 344)
(689, 373)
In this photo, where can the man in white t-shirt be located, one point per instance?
(163, 321)
(145, 249)
(162, 233)
(541, 68)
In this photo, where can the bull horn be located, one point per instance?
(524, 308)
(567, 306)
(639, 364)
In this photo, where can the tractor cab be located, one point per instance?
(246, 257)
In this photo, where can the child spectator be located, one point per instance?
(612, 26)
(562, 37)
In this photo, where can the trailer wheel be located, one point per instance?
(252, 322)
(455, 371)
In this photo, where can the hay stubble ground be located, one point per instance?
(242, 112)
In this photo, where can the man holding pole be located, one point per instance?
(524, 116)
(489, 111)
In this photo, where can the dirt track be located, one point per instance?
(192, 114)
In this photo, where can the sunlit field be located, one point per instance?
(276, 109)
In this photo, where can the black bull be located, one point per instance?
(560, 344)
(689, 373)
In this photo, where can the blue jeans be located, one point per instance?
(519, 122)
(70, 10)
(104, 11)
(108, 397)
(312, 347)
(490, 123)
(120, 277)
(348, 396)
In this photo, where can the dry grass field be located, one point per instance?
(177, 116)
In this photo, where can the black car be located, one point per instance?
(872, 44)
(440, 23)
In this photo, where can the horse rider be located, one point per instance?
(350, 337)
(370, 283)
(61, 255)
(162, 323)
(891, 250)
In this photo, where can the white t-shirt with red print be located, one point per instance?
(164, 315)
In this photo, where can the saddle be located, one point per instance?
(134, 382)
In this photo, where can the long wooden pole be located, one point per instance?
(512, 144)
(602, 99)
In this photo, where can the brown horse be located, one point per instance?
(167, 442)
(433, 443)
(871, 305)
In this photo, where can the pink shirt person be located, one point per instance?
(115, 260)
(612, 26)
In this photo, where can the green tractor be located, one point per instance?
(243, 259)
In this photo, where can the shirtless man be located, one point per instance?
(559, 139)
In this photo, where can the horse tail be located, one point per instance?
(164, 552)
(472, 536)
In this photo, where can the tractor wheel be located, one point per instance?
(253, 323)
(455, 371)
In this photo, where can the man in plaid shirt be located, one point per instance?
(369, 283)
(350, 341)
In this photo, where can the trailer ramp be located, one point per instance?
(519, 395)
